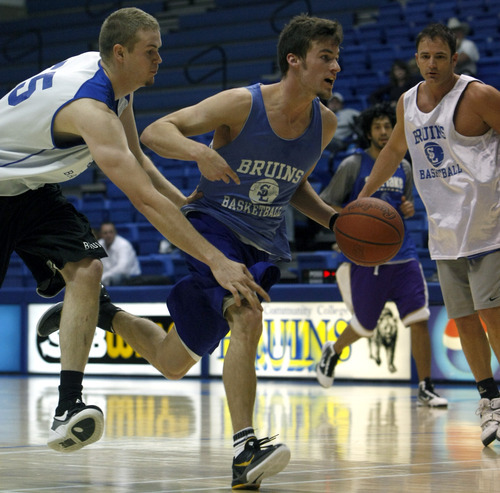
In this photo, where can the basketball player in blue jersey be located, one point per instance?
(365, 290)
(451, 126)
(52, 127)
(268, 138)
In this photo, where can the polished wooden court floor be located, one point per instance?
(166, 436)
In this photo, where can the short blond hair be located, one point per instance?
(121, 27)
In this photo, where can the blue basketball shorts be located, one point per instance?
(195, 302)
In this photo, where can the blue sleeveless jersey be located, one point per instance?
(391, 191)
(270, 169)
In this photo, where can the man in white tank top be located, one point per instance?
(51, 127)
(451, 126)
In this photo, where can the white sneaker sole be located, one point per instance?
(274, 464)
(489, 434)
(82, 429)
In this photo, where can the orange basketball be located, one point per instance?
(369, 231)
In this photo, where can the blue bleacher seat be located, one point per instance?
(112, 190)
(382, 57)
(428, 265)
(155, 265)
(370, 34)
(322, 173)
(121, 210)
(486, 25)
(443, 10)
(390, 14)
(179, 265)
(129, 231)
(148, 239)
(488, 70)
(95, 207)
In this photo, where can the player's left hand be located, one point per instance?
(407, 208)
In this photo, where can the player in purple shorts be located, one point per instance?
(365, 290)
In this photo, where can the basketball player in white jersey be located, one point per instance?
(52, 127)
(451, 126)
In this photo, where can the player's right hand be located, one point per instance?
(237, 279)
(214, 167)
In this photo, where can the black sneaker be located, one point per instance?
(51, 319)
(51, 287)
(77, 427)
(256, 463)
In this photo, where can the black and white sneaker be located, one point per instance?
(427, 396)
(51, 287)
(51, 319)
(325, 369)
(75, 428)
(256, 463)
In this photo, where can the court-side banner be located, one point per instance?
(290, 345)
(109, 355)
(294, 333)
(448, 360)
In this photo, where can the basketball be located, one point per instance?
(369, 231)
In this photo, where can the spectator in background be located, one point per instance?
(468, 53)
(346, 126)
(401, 79)
(121, 262)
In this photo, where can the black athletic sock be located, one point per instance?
(488, 389)
(70, 389)
(428, 384)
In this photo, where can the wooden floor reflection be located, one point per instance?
(176, 437)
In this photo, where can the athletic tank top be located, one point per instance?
(270, 169)
(29, 157)
(457, 177)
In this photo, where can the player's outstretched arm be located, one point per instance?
(225, 112)
(104, 134)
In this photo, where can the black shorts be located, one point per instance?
(44, 229)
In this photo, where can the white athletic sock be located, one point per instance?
(240, 438)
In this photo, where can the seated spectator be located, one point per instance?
(346, 126)
(468, 53)
(121, 262)
(401, 79)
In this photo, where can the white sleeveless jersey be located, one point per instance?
(29, 157)
(457, 177)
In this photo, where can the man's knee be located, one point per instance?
(87, 269)
(245, 323)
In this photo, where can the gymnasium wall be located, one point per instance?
(296, 324)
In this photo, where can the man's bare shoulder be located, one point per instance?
(478, 110)
(68, 120)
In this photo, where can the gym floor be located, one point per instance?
(163, 436)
